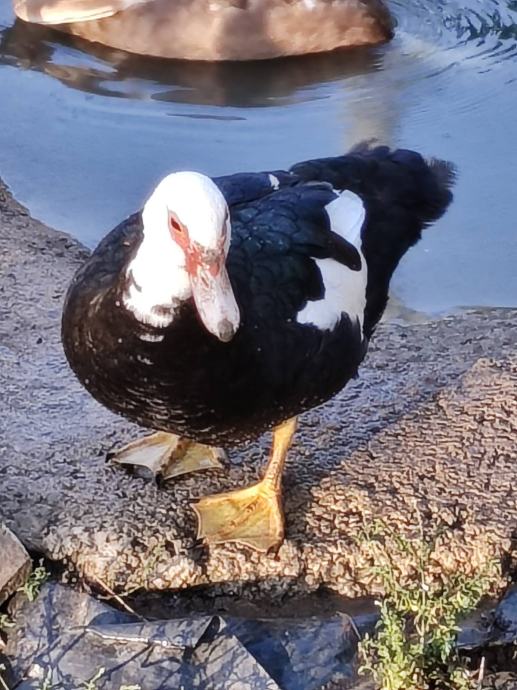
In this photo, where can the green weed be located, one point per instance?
(34, 583)
(5, 622)
(414, 645)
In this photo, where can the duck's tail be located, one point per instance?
(402, 193)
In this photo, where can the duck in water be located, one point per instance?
(216, 29)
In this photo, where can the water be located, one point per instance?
(86, 131)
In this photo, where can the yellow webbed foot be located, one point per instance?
(169, 455)
(251, 516)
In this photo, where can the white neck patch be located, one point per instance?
(345, 289)
(157, 278)
(157, 274)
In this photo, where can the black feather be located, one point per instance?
(181, 378)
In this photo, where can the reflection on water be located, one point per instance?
(108, 72)
(442, 31)
(87, 130)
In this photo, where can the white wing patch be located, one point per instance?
(274, 181)
(345, 290)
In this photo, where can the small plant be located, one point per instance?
(92, 683)
(5, 622)
(47, 681)
(414, 647)
(36, 579)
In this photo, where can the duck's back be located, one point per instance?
(217, 29)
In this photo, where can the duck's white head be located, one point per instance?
(186, 238)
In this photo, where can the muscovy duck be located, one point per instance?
(228, 306)
(216, 29)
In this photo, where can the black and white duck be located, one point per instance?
(228, 306)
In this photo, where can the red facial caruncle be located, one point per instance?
(179, 233)
(196, 257)
(211, 288)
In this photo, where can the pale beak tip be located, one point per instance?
(225, 330)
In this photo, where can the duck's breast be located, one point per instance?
(296, 346)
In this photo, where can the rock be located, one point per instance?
(70, 637)
(15, 563)
(505, 619)
(501, 681)
(6, 678)
(496, 628)
(431, 422)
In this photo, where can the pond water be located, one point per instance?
(86, 131)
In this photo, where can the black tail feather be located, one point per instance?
(445, 174)
(402, 192)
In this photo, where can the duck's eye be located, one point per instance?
(175, 225)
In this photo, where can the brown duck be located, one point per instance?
(216, 29)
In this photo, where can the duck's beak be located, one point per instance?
(213, 296)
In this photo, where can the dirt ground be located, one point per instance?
(430, 422)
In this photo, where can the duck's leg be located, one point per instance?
(168, 455)
(251, 516)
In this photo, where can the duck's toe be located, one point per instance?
(169, 455)
(252, 517)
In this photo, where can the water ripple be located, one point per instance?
(79, 116)
(436, 34)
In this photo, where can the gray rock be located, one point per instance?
(505, 619)
(431, 422)
(15, 563)
(69, 638)
(497, 627)
(501, 681)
